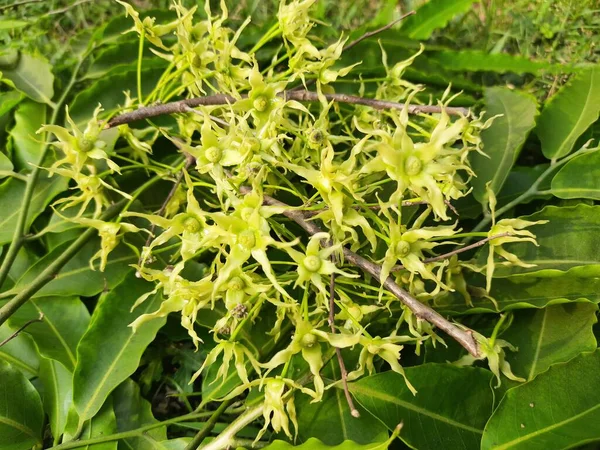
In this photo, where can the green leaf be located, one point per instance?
(521, 292)
(579, 178)
(569, 242)
(33, 77)
(108, 92)
(503, 141)
(76, 277)
(57, 381)
(21, 414)
(110, 352)
(5, 164)
(330, 420)
(449, 410)
(132, 411)
(551, 335)
(102, 424)
(316, 444)
(479, 61)
(20, 352)
(569, 113)
(11, 199)
(433, 15)
(57, 336)
(8, 100)
(28, 146)
(8, 24)
(122, 57)
(558, 409)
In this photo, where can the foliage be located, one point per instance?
(317, 248)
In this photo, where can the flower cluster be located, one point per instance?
(351, 170)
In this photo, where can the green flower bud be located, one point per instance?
(261, 103)
(213, 154)
(191, 224)
(402, 248)
(86, 144)
(312, 263)
(247, 239)
(308, 340)
(413, 166)
(236, 284)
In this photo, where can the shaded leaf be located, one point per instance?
(8, 100)
(569, 242)
(132, 411)
(102, 424)
(316, 444)
(57, 336)
(110, 352)
(569, 113)
(76, 277)
(503, 141)
(33, 77)
(433, 15)
(449, 410)
(557, 410)
(579, 178)
(521, 292)
(479, 61)
(11, 199)
(122, 57)
(27, 146)
(551, 335)
(20, 352)
(58, 394)
(21, 414)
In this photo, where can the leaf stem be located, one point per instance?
(139, 66)
(210, 424)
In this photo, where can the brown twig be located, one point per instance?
(456, 252)
(182, 106)
(422, 311)
(344, 373)
(312, 212)
(25, 325)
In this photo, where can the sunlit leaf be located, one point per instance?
(432, 16)
(33, 77)
(579, 178)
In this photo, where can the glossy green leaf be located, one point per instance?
(176, 444)
(76, 277)
(433, 15)
(449, 410)
(102, 424)
(58, 394)
(20, 351)
(569, 242)
(21, 414)
(110, 352)
(11, 199)
(316, 444)
(330, 420)
(569, 113)
(27, 145)
(551, 335)
(559, 409)
(503, 141)
(521, 292)
(479, 61)
(8, 100)
(579, 178)
(57, 336)
(109, 92)
(132, 411)
(33, 77)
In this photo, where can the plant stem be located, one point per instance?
(20, 229)
(25, 325)
(54, 268)
(210, 424)
(225, 439)
(131, 433)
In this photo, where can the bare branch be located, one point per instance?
(25, 325)
(422, 311)
(457, 251)
(377, 31)
(183, 106)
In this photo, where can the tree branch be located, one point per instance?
(457, 251)
(182, 106)
(25, 325)
(422, 311)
